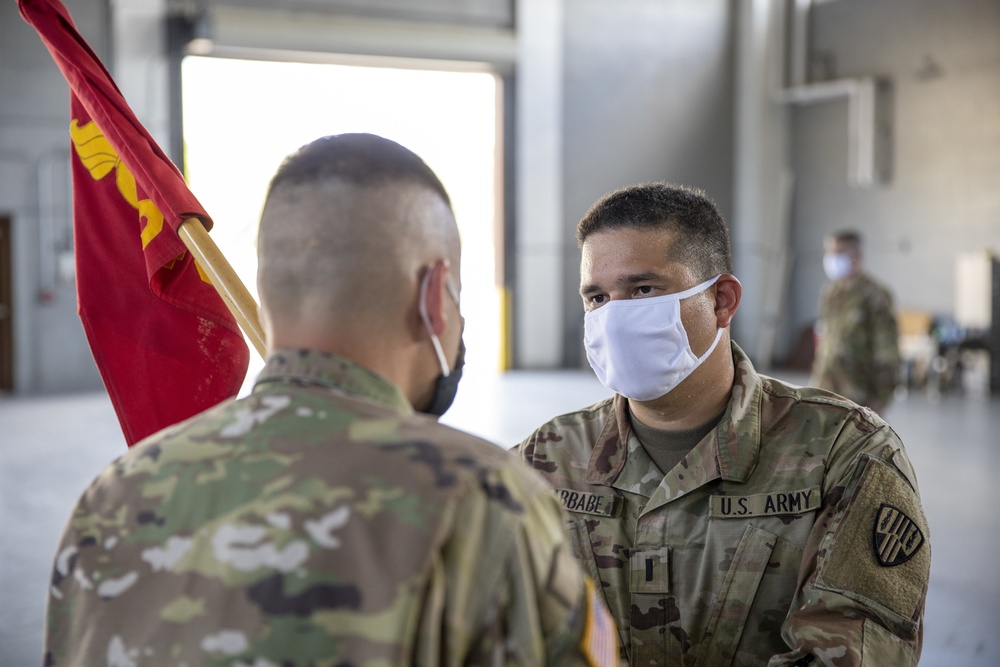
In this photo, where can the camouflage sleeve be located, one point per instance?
(865, 568)
(885, 348)
(546, 611)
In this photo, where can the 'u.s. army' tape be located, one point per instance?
(766, 504)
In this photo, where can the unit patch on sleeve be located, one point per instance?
(765, 504)
(878, 550)
(587, 503)
(897, 538)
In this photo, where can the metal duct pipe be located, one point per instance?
(868, 125)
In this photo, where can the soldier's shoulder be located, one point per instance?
(582, 418)
(564, 439)
(776, 389)
(449, 440)
(585, 423)
(875, 288)
(806, 396)
(818, 414)
(479, 466)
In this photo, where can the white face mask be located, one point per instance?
(639, 348)
(837, 265)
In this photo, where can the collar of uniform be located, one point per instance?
(738, 434)
(736, 438)
(322, 369)
(611, 448)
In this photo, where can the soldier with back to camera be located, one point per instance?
(321, 520)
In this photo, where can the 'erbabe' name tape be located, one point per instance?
(587, 503)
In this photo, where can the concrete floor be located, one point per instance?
(51, 447)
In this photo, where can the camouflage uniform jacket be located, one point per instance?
(792, 534)
(319, 521)
(857, 354)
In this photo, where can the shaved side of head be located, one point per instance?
(348, 222)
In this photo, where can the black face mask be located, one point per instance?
(445, 387)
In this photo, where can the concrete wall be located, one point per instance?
(943, 61)
(50, 350)
(647, 97)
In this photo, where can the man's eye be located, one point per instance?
(595, 300)
(644, 289)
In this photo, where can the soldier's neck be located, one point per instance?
(696, 400)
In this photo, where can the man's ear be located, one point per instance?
(435, 298)
(728, 292)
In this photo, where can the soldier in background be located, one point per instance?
(322, 520)
(857, 340)
(732, 520)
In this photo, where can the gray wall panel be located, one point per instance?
(648, 97)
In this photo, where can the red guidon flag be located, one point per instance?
(164, 341)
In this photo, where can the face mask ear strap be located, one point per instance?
(718, 334)
(711, 348)
(435, 341)
(697, 289)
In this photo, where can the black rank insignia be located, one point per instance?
(897, 538)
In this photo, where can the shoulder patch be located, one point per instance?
(879, 552)
(895, 536)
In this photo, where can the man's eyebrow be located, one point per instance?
(624, 281)
(634, 278)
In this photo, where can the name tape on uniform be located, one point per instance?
(765, 504)
(587, 503)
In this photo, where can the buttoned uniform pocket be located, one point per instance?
(739, 589)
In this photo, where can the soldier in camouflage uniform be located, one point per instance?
(322, 520)
(857, 352)
(730, 519)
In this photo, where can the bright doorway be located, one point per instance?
(242, 117)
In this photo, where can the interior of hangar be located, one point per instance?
(798, 117)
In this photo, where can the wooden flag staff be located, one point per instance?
(229, 286)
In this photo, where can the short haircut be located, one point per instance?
(703, 238)
(347, 219)
(360, 159)
(848, 237)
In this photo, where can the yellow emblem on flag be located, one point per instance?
(100, 159)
